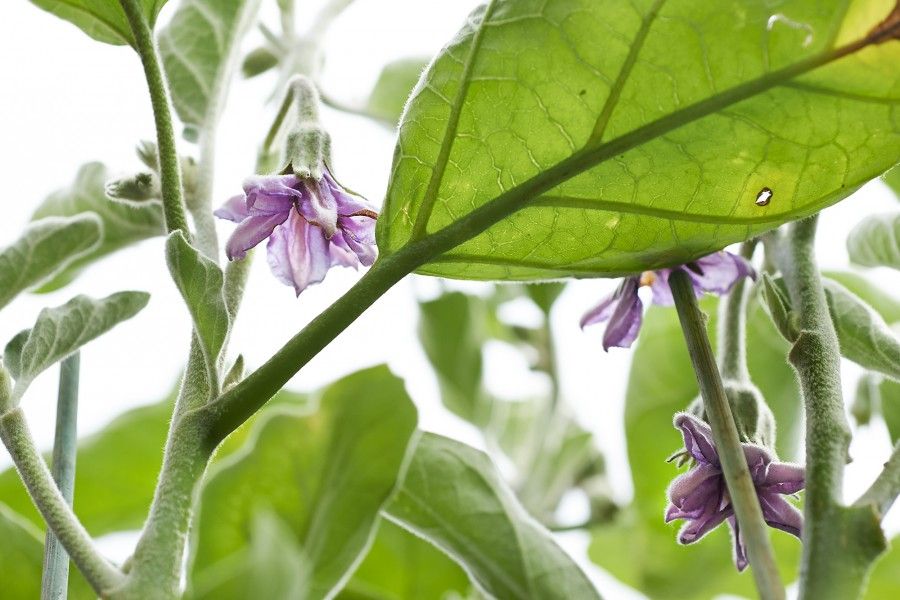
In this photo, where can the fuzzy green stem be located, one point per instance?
(884, 490)
(54, 584)
(733, 327)
(839, 543)
(169, 167)
(728, 445)
(15, 434)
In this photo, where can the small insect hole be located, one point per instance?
(764, 197)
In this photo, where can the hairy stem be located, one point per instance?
(884, 490)
(54, 583)
(169, 167)
(838, 543)
(733, 327)
(14, 432)
(725, 434)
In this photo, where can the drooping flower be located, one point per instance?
(700, 495)
(312, 225)
(716, 273)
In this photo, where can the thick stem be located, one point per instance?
(884, 490)
(169, 166)
(14, 432)
(728, 445)
(838, 543)
(733, 327)
(54, 584)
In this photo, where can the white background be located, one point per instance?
(65, 100)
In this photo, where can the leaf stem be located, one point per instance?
(54, 584)
(728, 445)
(15, 434)
(169, 166)
(839, 543)
(884, 490)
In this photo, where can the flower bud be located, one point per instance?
(146, 151)
(136, 188)
(752, 416)
(777, 304)
(258, 61)
(308, 149)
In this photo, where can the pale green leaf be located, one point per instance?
(864, 336)
(103, 20)
(889, 399)
(128, 451)
(123, 224)
(60, 331)
(403, 566)
(395, 83)
(326, 474)
(199, 49)
(44, 249)
(875, 242)
(21, 560)
(201, 283)
(884, 581)
(453, 496)
(887, 304)
(624, 136)
(892, 179)
(640, 549)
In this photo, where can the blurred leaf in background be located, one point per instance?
(103, 20)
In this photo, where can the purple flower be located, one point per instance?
(716, 273)
(700, 495)
(312, 225)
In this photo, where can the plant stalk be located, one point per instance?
(884, 490)
(99, 572)
(169, 166)
(733, 327)
(54, 583)
(728, 445)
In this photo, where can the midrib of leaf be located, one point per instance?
(516, 197)
(625, 72)
(437, 175)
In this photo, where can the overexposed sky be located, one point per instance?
(66, 100)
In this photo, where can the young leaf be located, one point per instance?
(199, 49)
(403, 566)
(123, 225)
(892, 179)
(613, 153)
(103, 20)
(397, 80)
(453, 496)
(863, 335)
(60, 331)
(326, 474)
(201, 283)
(875, 242)
(885, 303)
(44, 249)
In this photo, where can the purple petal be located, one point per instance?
(691, 493)
(758, 461)
(719, 272)
(298, 253)
(659, 285)
(625, 321)
(319, 207)
(783, 478)
(698, 440)
(348, 204)
(357, 234)
(250, 232)
(273, 194)
(740, 555)
(600, 313)
(780, 514)
(234, 209)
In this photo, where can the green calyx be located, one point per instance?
(754, 419)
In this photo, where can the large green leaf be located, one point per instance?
(892, 179)
(123, 224)
(393, 87)
(633, 135)
(60, 331)
(325, 474)
(103, 20)
(640, 549)
(44, 249)
(201, 283)
(199, 49)
(403, 566)
(875, 242)
(21, 560)
(453, 496)
(887, 304)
